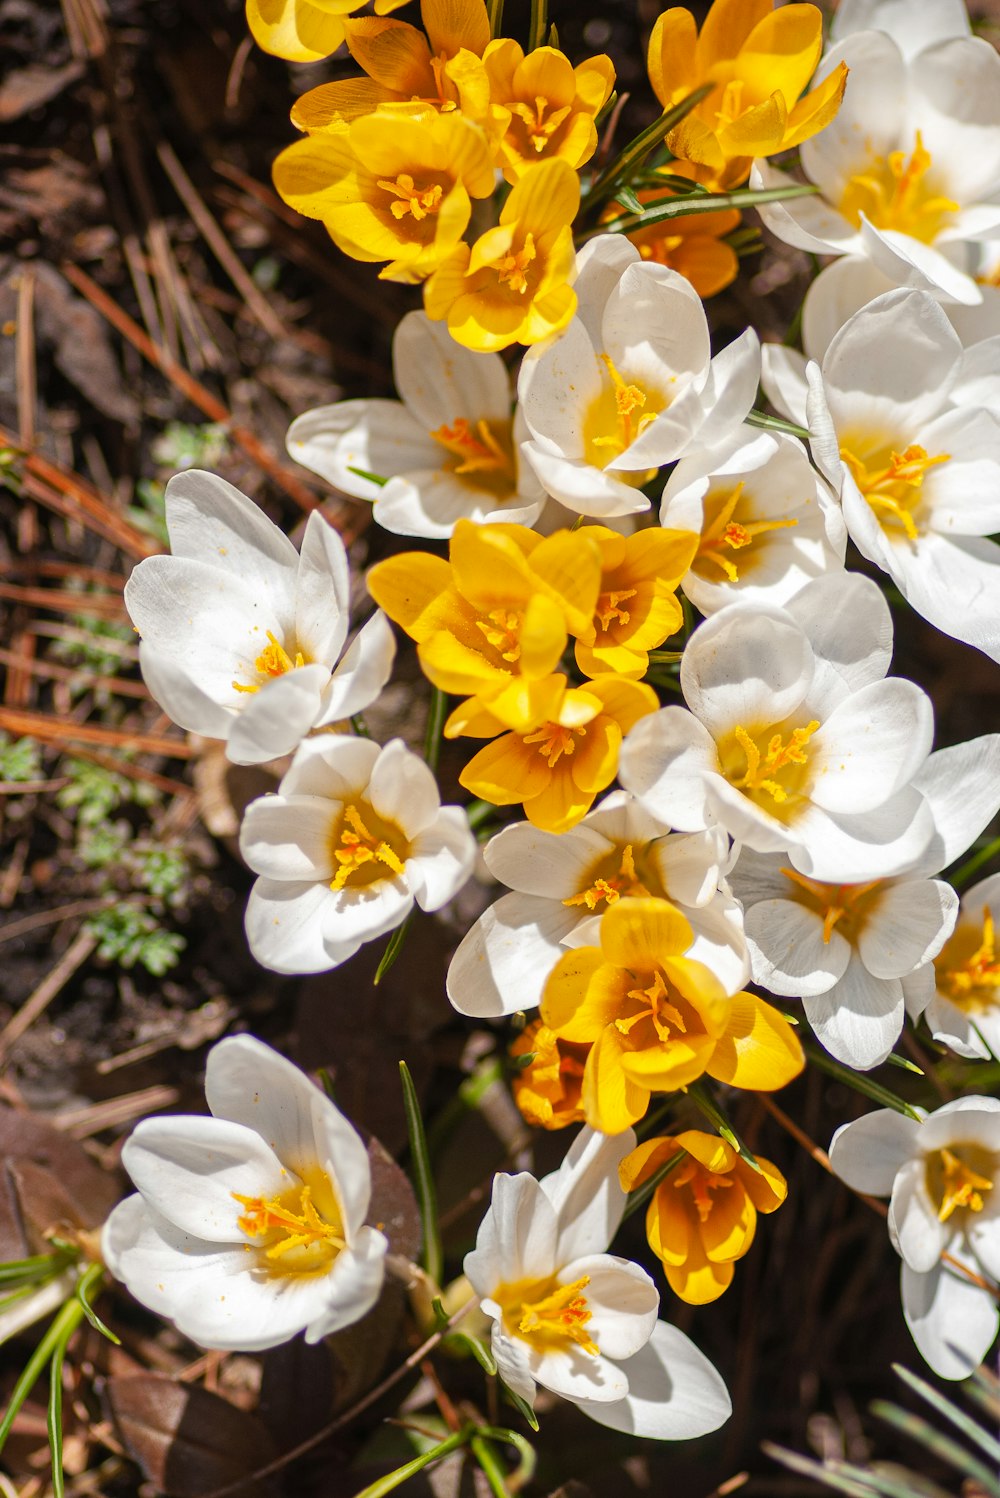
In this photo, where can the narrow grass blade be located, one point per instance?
(54, 1421)
(640, 1196)
(860, 1081)
(423, 1178)
(472, 1344)
(394, 1480)
(940, 1445)
(91, 1281)
(700, 1094)
(393, 948)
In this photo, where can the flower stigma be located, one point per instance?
(548, 1315)
(656, 1005)
(971, 978)
(954, 1181)
(512, 268)
(364, 856)
(721, 530)
(893, 483)
(553, 741)
(501, 628)
(539, 129)
(408, 198)
(767, 767)
(478, 448)
(834, 902)
(609, 880)
(296, 1235)
(273, 660)
(700, 1183)
(893, 192)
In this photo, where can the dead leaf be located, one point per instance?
(47, 1179)
(30, 87)
(187, 1440)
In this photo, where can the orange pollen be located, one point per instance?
(477, 448)
(881, 486)
(607, 610)
(657, 1007)
(501, 627)
(302, 1229)
(778, 755)
(963, 1187)
(893, 194)
(611, 890)
(553, 740)
(833, 901)
(726, 530)
(512, 269)
(980, 971)
(358, 847)
(564, 1313)
(411, 199)
(702, 1183)
(539, 129)
(273, 660)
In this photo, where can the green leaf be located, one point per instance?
(38, 1267)
(60, 1329)
(776, 424)
(710, 202)
(628, 200)
(54, 1420)
(859, 1081)
(436, 715)
(479, 1350)
(489, 1465)
(91, 1280)
(943, 1447)
(623, 167)
(537, 24)
(393, 948)
(640, 1196)
(526, 1452)
(700, 1094)
(958, 1417)
(396, 1479)
(522, 1406)
(373, 478)
(423, 1177)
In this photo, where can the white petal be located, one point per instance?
(585, 1192)
(373, 436)
(622, 1300)
(808, 223)
(860, 1018)
(183, 699)
(402, 789)
(516, 1238)
(674, 1391)
(442, 858)
(208, 520)
(666, 761)
(958, 83)
(870, 746)
(953, 1322)
(188, 1168)
(783, 376)
(322, 593)
(502, 963)
(337, 766)
(787, 951)
(284, 926)
(360, 913)
(917, 1233)
(556, 385)
(689, 864)
(962, 787)
(841, 849)
(438, 380)
(849, 626)
(908, 923)
(841, 289)
(719, 941)
(352, 1286)
(867, 1153)
(966, 1120)
(867, 123)
(363, 672)
(939, 569)
(512, 1359)
(290, 837)
(911, 27)
(600, 265)
(748, 664)
(277, 718)
(548, 864)
(582, 488)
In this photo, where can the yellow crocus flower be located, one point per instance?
(395, 185)
(546, 107)
(569, 754)
(759, 61)
(657, 1020)
(493, 621)
(304, 30)
(512, 286)
(547, 1090)
(637, 607)
(703, 1215)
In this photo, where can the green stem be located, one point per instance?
(436, 715)
(859, 1081)
(700, 1094)
(396, 1479)
(61, 1328)
(776, 424)
(539, 20)
(640, 1196)
(965, 873)
(489, 1465)
(494, 10)
(695, 202)
(54, 1421)
(393, 947)
(630, 156)
(479, 812)
(432, 1257)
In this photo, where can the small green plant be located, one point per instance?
(149, 513)
(94, 792)
(160, 868)
(128, 934)
(20, 759)
(93, 649)
(180, 445)
(100, 846)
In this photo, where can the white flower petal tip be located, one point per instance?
(629, 385)
(943, 1175)
(353, 837)
(447, 450)
(248, 1226)
(240, 634)
(576, 1320)
(794, 742)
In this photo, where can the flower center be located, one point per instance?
(722, 532)
(539, 129)
(971, 979)
(512, 268)
(273, 660)
(407, 197)
(478, 449)
(775, 765)
(613, 877)
(956, 1178)
(548, 1315)
(893, 486)
(363, 848)
(834, 902)
(609, 610)
(616, 417)
(553, 740)
(299, 1231)
(894, 192)
(699, 1183)
(502, 629)
(655, 1004)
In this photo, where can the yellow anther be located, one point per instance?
(611, 887)
(539, 129)
(553, 740)
(359, 847)
(408, 198)
(724, 530)
(512, 269)
(608, 609)
(562, 1315)
(894, 193)
(761, 768)
(895, 487)
(656, 1006)
(501, 628)
(273, 660)
(477, 448)
(973, 983)
(300, 1225)
(962, 1186)
(702, 1183)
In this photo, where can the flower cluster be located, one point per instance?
(777, 828)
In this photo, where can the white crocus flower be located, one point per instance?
(577, 1320)
(768, 523)
(448, 448)
(899, 422)
(248, 1226)
(242, 634)
(794, 743)
(958, 994)
(850, 952)
(355, 834)
(630, 384)
(943, 1176)
(563, 883)
(909, 170)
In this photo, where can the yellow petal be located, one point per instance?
(523, 703)
(698, 1281)
(583, 994)
(488, 568)
(669, 1229)
(781, 52)
(758, 131)
(546, 197)
(611, 1101)
(671, 55)
(569, 563)
(394, 53)
(703, 991)
(595, 81)
(306, 173)
(332, 106)
(815, 111)
(729, 1228)
(669, 1065)
(766, 1188)
(561, 804)
(624, 700)
(296, 29)
(644, 1161)
(759, 1050)
(595, 761)
(472, 720)
(542, 636)
(452, 24)
(406, 586)
(504, 772)
(727, 26)
(639, 933)
(708, 1149)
